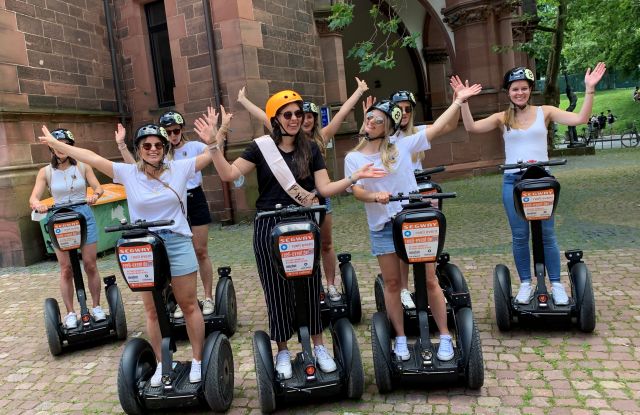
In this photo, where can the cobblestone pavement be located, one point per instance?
(527, 371)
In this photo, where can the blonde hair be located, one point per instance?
(411, 129)
(316, 135)
(388, 151)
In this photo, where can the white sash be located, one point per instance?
(282, 172)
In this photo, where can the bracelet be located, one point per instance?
(214, 147)
(224, 129)
(590, 92)
(122, 146)
(457, 103)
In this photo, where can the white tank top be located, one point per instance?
(526, 145)
(68, 186)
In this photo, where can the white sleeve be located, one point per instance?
(416, 142)
(123, 171)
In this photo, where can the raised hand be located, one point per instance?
(467, 92)
(121, 133)
(242, 94)
(362, 85)
(591, 78)
(205, 126)
(46, 137)
(456, 84)
(367, 103)
(226, 117)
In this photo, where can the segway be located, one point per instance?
(418, 235)
(144, 264)
(225, 315)
(349, 304)
(68, 232)
(295, 244)
(535, 196)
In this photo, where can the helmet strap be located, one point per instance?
(369, 138)
(283, 132)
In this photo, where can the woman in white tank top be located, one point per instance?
(67, 181)
(524, 128)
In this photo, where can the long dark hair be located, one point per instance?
(301, 151)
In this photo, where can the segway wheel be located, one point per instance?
(454, 278)
(218, 378)
(52, 324)
(345, 345)
(502, 297)
(264, 371)
(226, 305)
(116, 310)
(474, 372)
(584, 298)
(378, 290)
(381, 347)
(352, 292)
(137, 363)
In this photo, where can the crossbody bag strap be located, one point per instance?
(165, 184)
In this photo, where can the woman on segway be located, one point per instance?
(313, 130)
(156, 190)
(524, 130)
(67, 181)
(382, 120)
(197, 209)
(304, 161)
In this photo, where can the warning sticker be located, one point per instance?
(137, 265)
(426, 192)
(297, 254)
(421, 240)
(68, 235)
(538, 204)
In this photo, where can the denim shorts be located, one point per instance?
(182, 256)
(327, 203)
(382, 240)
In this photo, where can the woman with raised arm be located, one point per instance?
(197, 208)
(156, 190)
(300, 157)
(381, 121)
(67, 181)
(524, 130)
(312, 129)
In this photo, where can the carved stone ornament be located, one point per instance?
(477, 11)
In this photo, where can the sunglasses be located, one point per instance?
(148, 146)
(406, 110)
(175, 131)
(287, 115)
(378, 120)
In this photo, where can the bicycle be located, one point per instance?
(631, 137)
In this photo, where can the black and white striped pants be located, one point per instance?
(279, 292)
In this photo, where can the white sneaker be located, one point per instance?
(405, 297)
(283, 364)
(401, 350)
(195, 375)
(71, 320)
(334, 295)
(156, 379)
(178, 313)
(525, 294)
(207, 307)
(324, 359)
(445, 349)
(98, 314)
(559, 294)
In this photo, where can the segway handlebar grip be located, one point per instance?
(66, 205)
(417, 197)
(419, 173)
(525, 164)
(139, 225)
(290, 210)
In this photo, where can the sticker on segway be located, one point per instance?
(427, 192)
(297, 254)
(421, 240)
(137, 265)
(68, 235)
(538, 204)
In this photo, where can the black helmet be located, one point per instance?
(391, 110)
(149, 130)
(310, 107)
(63, 134)
(518, 74)
(171, 118)
(403, 95)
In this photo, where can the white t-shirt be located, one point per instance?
(150, 200)
(189, 150)
(417, 165)
(399, 180)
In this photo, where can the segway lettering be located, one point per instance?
(68, 235)
(297, 254)
(421, 240)
(137, 265)
(538, 204)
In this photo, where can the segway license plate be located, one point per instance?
(421, 240)
(136, 262)
(68, 235)
(297, 253)
(538, 204)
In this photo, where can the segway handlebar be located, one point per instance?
(66, 205)
(141, 224)
(525, 164)
(417, 197)
(290, 211)
(419, 173)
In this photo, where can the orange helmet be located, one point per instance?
(279, 100)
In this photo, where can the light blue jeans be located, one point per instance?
(520, 236)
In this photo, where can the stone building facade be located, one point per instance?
(67, 63)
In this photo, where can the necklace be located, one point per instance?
(73, 179)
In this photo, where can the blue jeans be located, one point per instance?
(520, 236)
